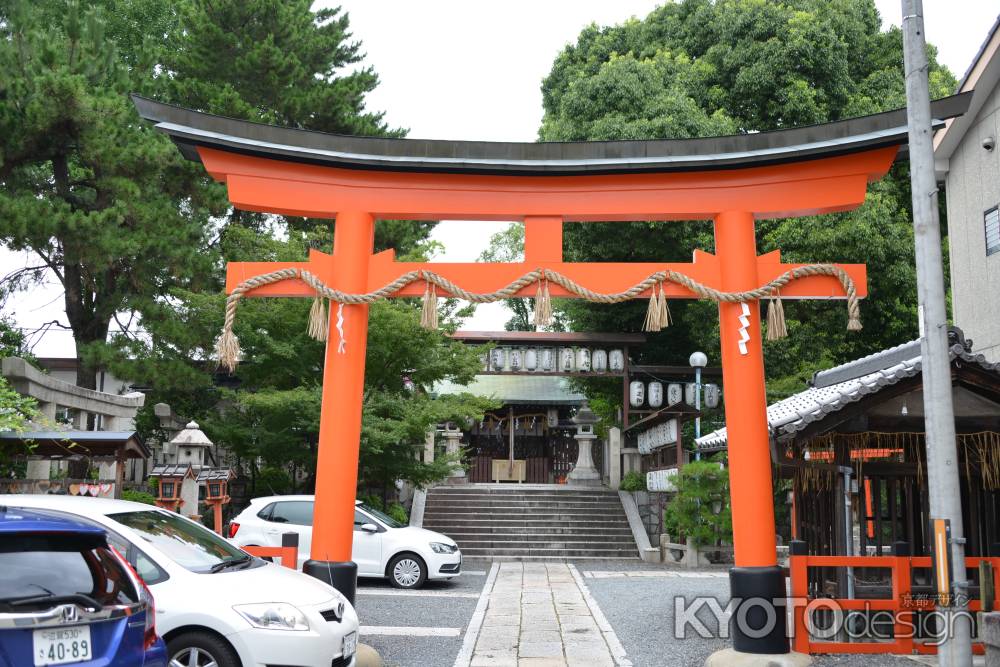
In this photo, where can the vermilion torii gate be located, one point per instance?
(730, 180)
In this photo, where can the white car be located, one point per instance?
(383, 547)
(215, 604)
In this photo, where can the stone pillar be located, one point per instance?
(584, 473)
(429, 446)
(453, 446)
(189, 494)
(614, 457)
(38, 469)
(107, 470)
(991, 637)
(631, 460)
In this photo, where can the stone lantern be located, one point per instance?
(584, 473)
(190, 445)
(453, 446)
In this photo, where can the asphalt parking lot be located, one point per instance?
(424, 627)
(429, 627)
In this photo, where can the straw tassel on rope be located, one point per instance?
(543, 305)
(228, 347)
(653, 314)
(429, 315)
(776, 328)
(319, 321)
(663, 309)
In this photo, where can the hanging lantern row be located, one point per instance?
(657, 436)
(554, 359)
(640, 394)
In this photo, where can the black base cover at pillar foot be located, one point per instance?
(757, 587)
(342, 576)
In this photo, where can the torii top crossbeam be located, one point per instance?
(730, 180)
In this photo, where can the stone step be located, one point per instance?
(526, 507)
(542, 559)
(552, 553)
(540, 537)
(542, 512)
(535, 524)
(485, 533)
(469, 546)
(448, 501)
(455, 492)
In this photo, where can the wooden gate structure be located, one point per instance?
(731, 181)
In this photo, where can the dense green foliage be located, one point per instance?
(633, 481)
(138, 496)
(700, 509)
(706, 67)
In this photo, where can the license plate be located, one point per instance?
(350, 644)
(59, 646)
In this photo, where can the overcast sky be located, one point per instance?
(454, 69)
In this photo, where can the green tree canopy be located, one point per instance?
(104, 203)
(706, 67)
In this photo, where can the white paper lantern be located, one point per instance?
(655, 394)
(498, 358)
(616, 361)
(636, 393)
(599, 361)
(583, 359)
(516, 355)
(530, 359)
(548, 359)
(566, 360)
(712, 395)
(552, 417)
(690, 392)
(675, 393)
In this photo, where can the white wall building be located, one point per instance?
(967, 159)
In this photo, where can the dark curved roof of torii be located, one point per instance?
(191, 129)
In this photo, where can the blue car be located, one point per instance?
(67, 598)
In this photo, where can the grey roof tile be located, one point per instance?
(880, 370)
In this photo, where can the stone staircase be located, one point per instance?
(515, 522)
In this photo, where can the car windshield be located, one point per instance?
(188, 544)
(381, 516)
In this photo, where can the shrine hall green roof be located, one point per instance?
(192, 129)
(517, 389)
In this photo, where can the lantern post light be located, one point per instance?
(697, 360)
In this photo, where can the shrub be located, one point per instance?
(138, 496)
(633, 481)
(398, 512)
(702, 487)
(373, 501)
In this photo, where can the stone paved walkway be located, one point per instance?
(538, 614)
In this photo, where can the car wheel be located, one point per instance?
(407, 571)
(201, 649)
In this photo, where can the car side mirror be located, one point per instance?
(369, 527)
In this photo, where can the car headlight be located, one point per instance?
(273, 616)
(442, 548)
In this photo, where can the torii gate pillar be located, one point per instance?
(340, 412)
(756, 574)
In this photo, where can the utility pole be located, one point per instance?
(939, 415)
